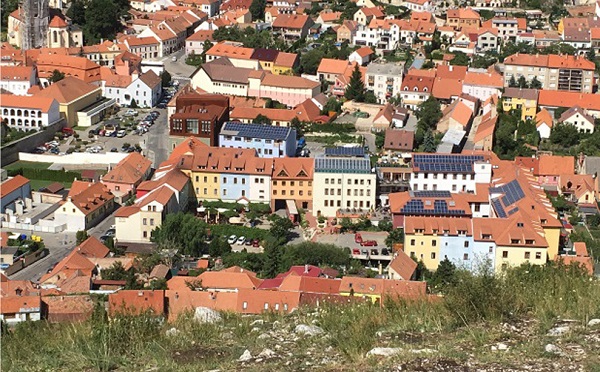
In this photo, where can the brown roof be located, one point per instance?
(460, 112)
(159, 271)
(29, 102)
(332, 66)
(529, 94)
(16, 73)
(92, 198)
(398, 139)
(554, 98)
(286, 59)
(491, 79)
(201, 35)
(136, 302)
(293, 168)
(403, 265)
(57, 22)
(75, 261)
(544, 117)
(421, 83)
(68, 308)
(551, 61)
(292, 21)
(92, 247)
(290, 82)
(553, 165)
(486, 128)
(12, 184)
(228, 280)
(446, 88)
(72, 66)
(68, 90)
(222, 69)
(383, 287)
(576, 110)
(130, 170)
(225, 49)
(364, 51)
(16, 304)
(150, 78)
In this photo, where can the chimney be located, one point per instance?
(306, 269)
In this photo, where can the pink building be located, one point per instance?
(127, 175)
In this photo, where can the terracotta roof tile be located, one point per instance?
(28, 102)
(12, 184)
(68, 90)
(293, 168)
(403, 265)
(136, 302)
(291, 21)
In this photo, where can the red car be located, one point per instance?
(358, 238)
(356, 252)
(369, 243)
(255, 243)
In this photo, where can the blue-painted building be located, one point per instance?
(458, 249)
(268, 141)
(12, 190)
(235, 186)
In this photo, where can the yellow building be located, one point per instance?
(516, 255)
(520, 99)
(285, 63)
(80, 103)
(206, 186)
(377, 290)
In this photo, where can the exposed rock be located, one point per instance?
(593, 322)
(255, 329)
(267, 353)
(206, 315)
(502, 347)
(263, 336)
(259, 360)
(558, 331)
(172, 332)
(384, 351)
(245, 357)
(422, 351)
(308, 330)
(553, 349)
(257, 322)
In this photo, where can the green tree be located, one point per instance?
(380, 139)
(77, 12)
(262, 119)
(444, 276)
(115, 272)
(133, 103)
(102, 20)
(460, 59)
(205, 48)
(332, 105)
(522, 82)
(272, 258)
(165, 78)
(429, 142)
(346, 224)
(593, 221)
(429, 113)
(299, 126)
(395, 236)
(565, 135)
(218, 247)
(183, 230)
(512, 83)
(158, 284)
(535, 83)
(356, 87)
(81, 236)
(280, 228)
(309, 61)
(257, 8)
(56, 76)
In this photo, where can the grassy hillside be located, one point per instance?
(496, 323)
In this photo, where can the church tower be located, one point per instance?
(34, 15)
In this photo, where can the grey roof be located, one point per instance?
(591, 165)
(221, 69)
(345, 151)
(454, 136)
(530, 94)
(342, 165)
(386, 69)
(233, 128)
(445, 148)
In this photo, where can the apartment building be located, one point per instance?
(268, 141)
(416, 89)
(454, 173)
(87, 204)
(554, 72)
(29, 112)
(342, 184)
(18, 79)
(200, 116)
(521, 99)
(292, 181)
(385, 80)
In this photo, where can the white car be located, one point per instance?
(121, 133)
(174, 59)
(232, 239)
(241, 240)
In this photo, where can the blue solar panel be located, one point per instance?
(515, 210)
(498, 208)
(440, 207)
(512, 192)
(344, 151)
(233, 128)
(446, 163)
(432, 194)
(342, 165)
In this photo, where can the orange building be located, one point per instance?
(292, 180)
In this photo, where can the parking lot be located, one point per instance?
(376, 252)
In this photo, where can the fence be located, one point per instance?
(26, 261)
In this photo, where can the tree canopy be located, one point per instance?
(102, 20)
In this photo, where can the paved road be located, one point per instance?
(178, 68)
(157, 140)
(370, 141)
(59, 246)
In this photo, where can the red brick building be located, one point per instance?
(198, 115)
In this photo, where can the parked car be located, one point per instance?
(358, 238)
(256, 243)
(104, 238)
(248, 242)
(374, 252)
(55, 150)
(114, 149)
(232, 239)
(385, 252)
(68, 131)
(121, 133)
(241, 240)
(162, 105)
(364, 252)
(174, 58)
(155, 114)
(130, 112)
(356, 251)
(110, 232)
(369, 243)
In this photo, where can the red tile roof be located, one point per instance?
(91, 247)
(136, 302)
(403, 265)
(12, 184)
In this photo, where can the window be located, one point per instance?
(527, 255)
(152, 222)
(466, 244)
(276, 307)
(412, 242)
(434, 243)
(144, 221)
(433, 255)
(245, 305)
(538, 256)
(192, 126)
(285, 307)
(504, 254)
(145, 234)
(465, 256)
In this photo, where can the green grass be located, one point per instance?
(38, 184)
(27, 164)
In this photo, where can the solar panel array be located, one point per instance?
(344, 151)
(499, 208)
(432, 194)
(256, 130)
(515, 210)
(440, 207)
(512, 192)
(445, 163)
(342, 165)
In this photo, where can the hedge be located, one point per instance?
(45, 174)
